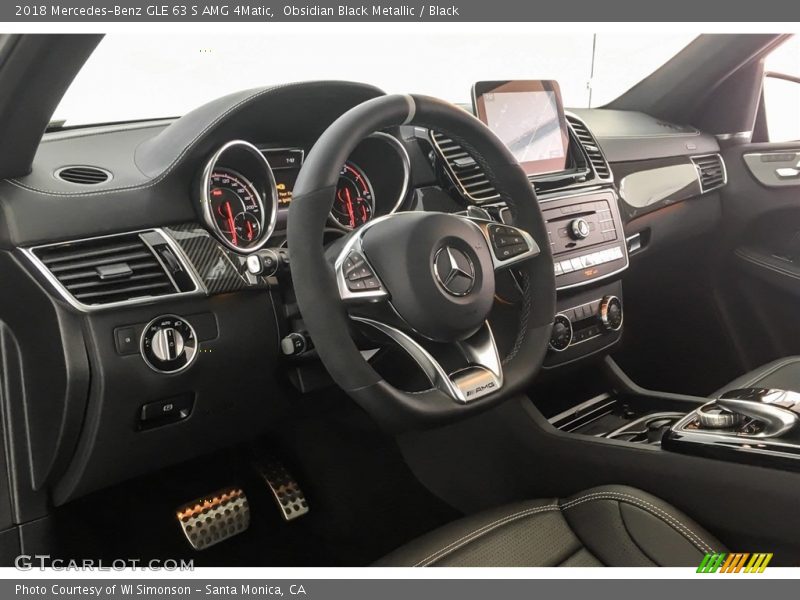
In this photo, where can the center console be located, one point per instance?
(588, 244)
(759, 426)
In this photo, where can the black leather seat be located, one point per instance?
(604, 526)
(781, 374)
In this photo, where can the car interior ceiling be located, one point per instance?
(160, 352)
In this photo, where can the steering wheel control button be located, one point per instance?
(358, 275)
(168, 344)
(507, 242)
(561, 336)
(454, 271)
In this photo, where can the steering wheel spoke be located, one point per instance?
(508, 245)
(356, 278)
(476, 371)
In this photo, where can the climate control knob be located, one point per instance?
(561, 336)
(168, 344)
(611, 313)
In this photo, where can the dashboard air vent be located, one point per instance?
(464, 170)
(109, 269)
(711, 171)
(591, 147)
(83, 175)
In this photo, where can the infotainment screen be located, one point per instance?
(528, 117)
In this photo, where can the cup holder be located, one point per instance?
(649, 429)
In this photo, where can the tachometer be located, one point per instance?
(354, 203)
(236, 207)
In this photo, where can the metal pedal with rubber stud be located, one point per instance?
(214, 518)
(287, 493)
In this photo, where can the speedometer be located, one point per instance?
(235, 207)
(238, 197)
(354, 202)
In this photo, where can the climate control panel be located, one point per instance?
(585, 323)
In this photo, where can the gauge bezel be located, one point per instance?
(269, 214)
(405, 162)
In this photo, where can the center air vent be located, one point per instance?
(591, 147)
(105, 270)
(711, 171)
(464, 170)
(83, 175)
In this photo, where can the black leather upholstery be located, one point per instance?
(604, 526)
(782, 374)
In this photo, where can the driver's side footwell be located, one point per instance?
(364, 502)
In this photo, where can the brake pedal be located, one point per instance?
(287, 493)
(214, 518)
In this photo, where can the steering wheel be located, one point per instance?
(426, 280)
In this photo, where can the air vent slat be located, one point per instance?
(83, 175)
(464, 170)
(710, 171)
(104, 270)
(591, 147)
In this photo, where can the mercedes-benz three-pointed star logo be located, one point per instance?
(454, 271)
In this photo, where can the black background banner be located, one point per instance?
(174, 11)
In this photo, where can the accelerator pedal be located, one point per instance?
(284, 487)
(214, 518)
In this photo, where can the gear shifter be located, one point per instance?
(751, 424)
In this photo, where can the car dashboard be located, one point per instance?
(152, 259)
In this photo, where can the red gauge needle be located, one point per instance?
(230, 223)
(249, 231)
(350, 207)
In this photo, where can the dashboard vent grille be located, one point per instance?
(83, 175)
(464, 170)
(591, 147)
(711, 171)
(106, 270)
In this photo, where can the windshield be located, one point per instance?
(132, 77)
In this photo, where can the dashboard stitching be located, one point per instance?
(68, 136)
(170, 167)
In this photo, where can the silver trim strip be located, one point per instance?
(62, 291)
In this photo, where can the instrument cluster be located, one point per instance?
(245, 188)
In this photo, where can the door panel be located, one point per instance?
(758, 273)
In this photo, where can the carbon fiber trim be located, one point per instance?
(220, 269)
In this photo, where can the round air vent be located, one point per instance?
(83, 175)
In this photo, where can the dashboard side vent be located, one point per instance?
(106, 270)
(710, 171)
(464, 170)
(83, 175)
(591, 147)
